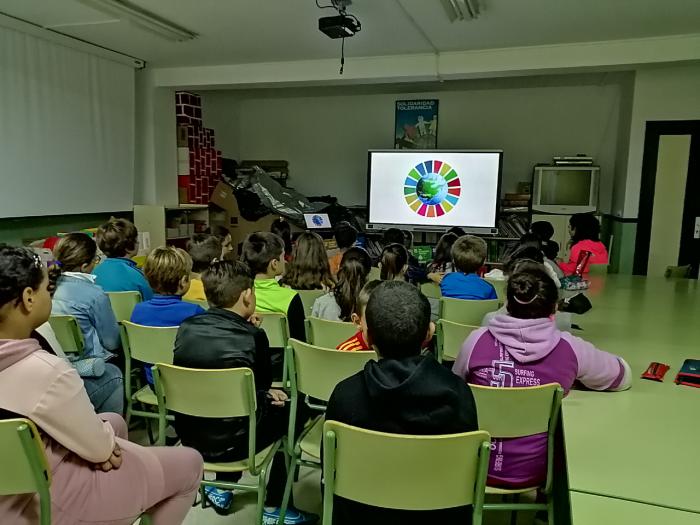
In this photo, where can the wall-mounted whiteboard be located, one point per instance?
(66, 129)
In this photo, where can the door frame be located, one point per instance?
(654, 130)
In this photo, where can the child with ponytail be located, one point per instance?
(525, 348)
(393, 263)
(341, 302)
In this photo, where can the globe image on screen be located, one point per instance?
(431, 189)
(317, 220)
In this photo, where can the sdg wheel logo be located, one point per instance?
(432, 188)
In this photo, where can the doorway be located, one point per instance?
(669, 207)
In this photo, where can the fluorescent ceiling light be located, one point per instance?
(142, 18)
(461, 9)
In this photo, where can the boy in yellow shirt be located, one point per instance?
(203, 248)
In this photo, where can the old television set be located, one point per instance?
(565, 189)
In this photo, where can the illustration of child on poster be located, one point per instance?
(416, 124)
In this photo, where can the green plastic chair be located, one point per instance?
(374, 274)
(314, 372)
(328, 334)
(466, 312)
(275, 326)
(24, 466)
(500, 286)
(123, 304)
(450, 337)
(68, 334)
(597, 269)
(199, 393)
(431, 290)
(379, 469)
(531, 410)
(308, 297)
(148, 344)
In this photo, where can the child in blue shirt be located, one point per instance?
(168, 272)
(468, 255)
(117, 239)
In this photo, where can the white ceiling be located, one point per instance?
(245, 31)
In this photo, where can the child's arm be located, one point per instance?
(263, 364)
(570, 267)
(492, 293)
(461, 366)
(102, 318)
(65, 413)
(599, 370)
(145, 289)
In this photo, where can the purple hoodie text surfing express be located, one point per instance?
(514, 352)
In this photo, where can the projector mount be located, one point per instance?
(342, 26)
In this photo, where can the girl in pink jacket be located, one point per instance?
(98, 476)
(524, 348)
(585, 236)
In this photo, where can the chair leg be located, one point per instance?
(287, 489)
(262, 484)
(514, 513)
(550, 508)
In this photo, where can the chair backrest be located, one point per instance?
(308, 297)
(24, 466)
(316, 371)
(431, 290)
(597, 269)
(379, 469)
(123, 304)
(328, 334)
(374, 274)
(275, 326)
(450, 337)
(500, 286)
(68, 334)
(150, 344)
(223, 393)
(466, 312)
(530, 410)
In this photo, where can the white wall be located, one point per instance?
(664, 93)
(325, 133)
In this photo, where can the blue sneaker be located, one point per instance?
(291, 517)
(219, 499)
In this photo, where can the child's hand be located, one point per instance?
(114, 461)
(256, 320)
(277, 397)
(436, 277)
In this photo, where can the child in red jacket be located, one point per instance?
(585, 237)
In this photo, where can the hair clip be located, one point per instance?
(55, 263)
(526, 302)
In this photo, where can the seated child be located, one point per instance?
(403, 393)
(357, 342)
(544, 231)
(527, 342)
(345, 237)
(393, 263)
(309, 268)
(97, 475)
(340, 303)
(224, 235)
(168, 272)
(77, 295)
(203, 249)
(585, 236)
(264, 253)
(468, 255)
(233, 340)
(442, 258)
(118, 240)
(415, 272)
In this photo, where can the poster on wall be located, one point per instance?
(416, 124)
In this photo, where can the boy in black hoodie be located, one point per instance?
(403, 393)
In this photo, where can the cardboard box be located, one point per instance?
(223, 197)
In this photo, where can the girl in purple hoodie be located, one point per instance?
(524, 348)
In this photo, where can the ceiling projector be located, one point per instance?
(341, 26)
